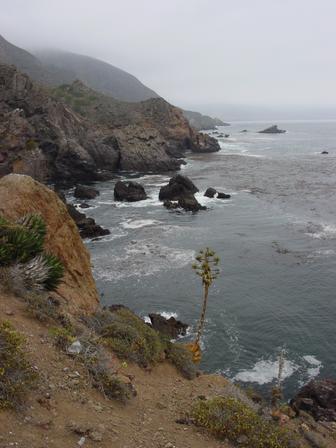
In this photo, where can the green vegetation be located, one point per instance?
(229, 418)
(16, 374)
(128, 336)
(132, 339)
(23, 263)
(77, 98)
(182, 359)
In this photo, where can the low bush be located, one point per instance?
(16, 374)
(128, 336)
(229, 418)
(182, 360)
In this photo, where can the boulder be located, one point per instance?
(272, 130)
(223, 196)
(318, 398)
(190, 204)
(210, 192)
(169, 327)
(21, 195)
(82, 192)
(129, 191)
(177, 187)
(87, 226)
(170, 205)
(324, 152)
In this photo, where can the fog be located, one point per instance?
(195, 53)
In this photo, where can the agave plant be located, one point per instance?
(22, 258)
(206, 268)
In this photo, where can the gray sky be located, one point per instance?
(194, 52)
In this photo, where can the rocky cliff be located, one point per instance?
(76, 134)
(21, 195)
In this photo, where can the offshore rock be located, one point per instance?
(82, 192)
(21, 195)
(210, 192)
(223, 196)
(87, 226)
(178, 187)
(272, 130)
(190, 204)
(129, 191)
(169, 327)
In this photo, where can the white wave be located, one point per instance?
(321, 231)
(139, 223)
(111, 237)
(140, 259)
(266, 371)
(150, 202)
(316, 364)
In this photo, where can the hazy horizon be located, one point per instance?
(213, 56)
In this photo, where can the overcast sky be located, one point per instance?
(258, 52)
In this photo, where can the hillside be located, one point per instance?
(202, 122)
(99, 75)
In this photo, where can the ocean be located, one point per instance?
(276, 238)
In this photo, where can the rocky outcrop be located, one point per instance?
(210, 192)
(46, 139)
(144, 149)
(178, 187)
(87, 226)
(169, 327)
(272, 130)
(129, 191)
(223, 196)
(83, 192)
(202, 122)
(21, 195)
(190, 204)
(318, 398)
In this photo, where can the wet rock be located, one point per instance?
(324, 152)
(84, 205)
(272, 130)
(223, 196)
(210, 192)
(170, 327)
(244, 130)
(318, 398)
(87, 226)
(190, 204)
(129, 191)
(177, 187)
(170, 205)
(227, 135)
(82, 192)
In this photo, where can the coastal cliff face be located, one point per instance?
(21, 195)
(80, 135)
(45, 139)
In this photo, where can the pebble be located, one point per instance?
(81, 441)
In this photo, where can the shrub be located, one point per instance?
(63, 337)
(227, 417)
(16, 374)
(23, 263)
(128, 336)
(182, 360)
